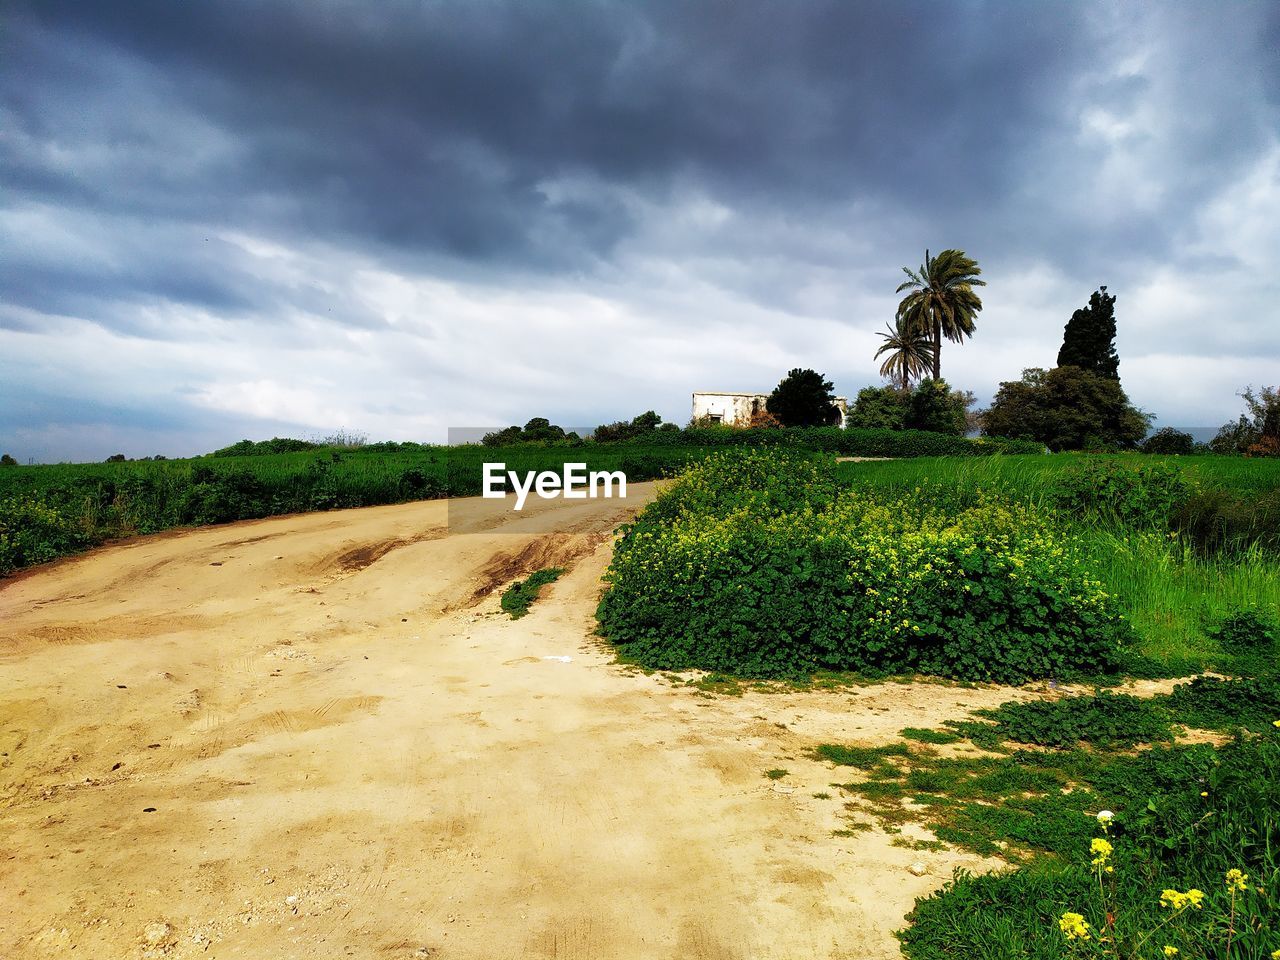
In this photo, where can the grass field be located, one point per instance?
(50, 511)
(1031, 477)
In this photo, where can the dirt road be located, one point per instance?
(317, 736)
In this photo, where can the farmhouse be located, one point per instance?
(736, 409)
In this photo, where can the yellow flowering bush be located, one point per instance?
(758, 564)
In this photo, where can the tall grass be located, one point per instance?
(1168, 585)
(1172, 595)
(1031, 477)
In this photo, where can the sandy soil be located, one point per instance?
(317, 736)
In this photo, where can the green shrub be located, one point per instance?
(1245, 630)
(261, 448)
(750, 564)
(853, 442)
(1146, 495)
(1167, 440)
(33, 531)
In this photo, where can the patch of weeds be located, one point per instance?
(930, 736)
(1111, 720)
(864, 758)
(518, 597)
(1211, 703)
(986, 736)
(853, 828)
(1104, 720)
(910, 844)
(822, 796)
(718, 683)
(1186, 818)
(1024, 800)
(776, 773)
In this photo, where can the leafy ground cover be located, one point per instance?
(518, 597)
(761, 564)
(1174, 818)
(1052, 779)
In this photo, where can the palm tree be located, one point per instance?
(941, 302)
(910, 353)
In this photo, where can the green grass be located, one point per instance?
(864, 758)
(518, 597)
(777, 773)
(1029, 477)
(1183, 816)
(930, 736)
(1170, 592)
(51, 510)
(1020, 800)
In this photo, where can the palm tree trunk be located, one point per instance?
(937, 349)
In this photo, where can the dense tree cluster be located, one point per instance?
(537, 430)
(1169, 441)
(640, 426)
(932, 405)
(1066, 408)
(804, 399)
(1257, 431)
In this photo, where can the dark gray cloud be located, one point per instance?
(260, 177)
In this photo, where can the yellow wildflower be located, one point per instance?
(1194, 897)
(1101, 850)
(1170, 951)
(1237, 880)
(1173, 899)
(1073, 926)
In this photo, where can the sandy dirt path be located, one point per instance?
(317, 736)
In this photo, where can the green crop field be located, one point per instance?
(50, 511)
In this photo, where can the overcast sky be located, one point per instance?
(225, 220)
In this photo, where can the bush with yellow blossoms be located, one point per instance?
(757, 563)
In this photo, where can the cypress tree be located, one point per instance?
(1089, 340)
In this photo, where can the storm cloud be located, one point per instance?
(237, 219)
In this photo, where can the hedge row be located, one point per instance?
(851, 442)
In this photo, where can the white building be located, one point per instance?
(736, 409)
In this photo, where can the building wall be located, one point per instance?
(735, 409)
